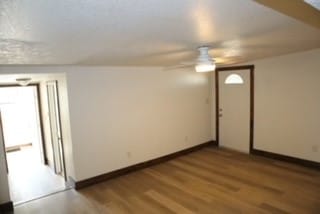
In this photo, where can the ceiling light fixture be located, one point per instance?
(205, 67)
(23, 81)
(204, 62)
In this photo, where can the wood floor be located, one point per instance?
(210, 180)
(29, 178)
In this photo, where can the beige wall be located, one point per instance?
(117, 114)
(287, 105)
(123, 116)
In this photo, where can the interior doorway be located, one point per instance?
(29, 174)
(235, 107)
(55, 128)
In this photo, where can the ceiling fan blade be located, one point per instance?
(172, 53)
(19, 41)
(190, 63)
(177, 67)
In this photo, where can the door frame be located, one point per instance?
(62, 154)
(4, 146)
(43, 144)
(251, 127)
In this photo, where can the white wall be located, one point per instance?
(146, 112)
(123, 116)
(287, 105)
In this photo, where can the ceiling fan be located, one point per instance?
(203, 63)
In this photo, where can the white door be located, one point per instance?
(54, 116)
(234, 110)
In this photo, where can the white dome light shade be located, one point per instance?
(234, 79)
(205, 67)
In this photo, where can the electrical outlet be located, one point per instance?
(315, 148)
(129, 154)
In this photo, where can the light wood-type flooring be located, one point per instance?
(29, 178)
(210, 180)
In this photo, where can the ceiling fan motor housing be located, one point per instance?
(204, 56)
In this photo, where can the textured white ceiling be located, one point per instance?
(145, 32)
(314, 3)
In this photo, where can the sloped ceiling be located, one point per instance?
(145, 33)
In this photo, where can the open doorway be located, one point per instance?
(29, 174)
